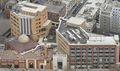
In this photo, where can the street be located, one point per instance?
(75, 10)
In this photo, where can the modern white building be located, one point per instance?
(59, 61)
(115, 20)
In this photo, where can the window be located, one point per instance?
(31, 65)
(77, 48)
(43, 29)
(41, 66)
(16, 66)
(59, 65)
(72, 48)
(39, 22)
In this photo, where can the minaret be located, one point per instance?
(46, 47)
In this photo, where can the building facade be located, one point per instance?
(104, 20)
(10, 58)
(59, 61)
(30, 19)
(86, 51)
(115, 19)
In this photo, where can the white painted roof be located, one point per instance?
(103, 40)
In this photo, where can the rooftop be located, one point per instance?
(107, 7)
(76, 21)
(77, 35)
(66, 1)
(37, 53)
(12, 55)
(19, 46)
(28, 7)
(90, 8)
(54, 8)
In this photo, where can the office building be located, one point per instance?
(109, 18)
(87, 50)
(29, 19)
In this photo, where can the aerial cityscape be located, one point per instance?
(59, 35)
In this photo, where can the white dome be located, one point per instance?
(23, 38)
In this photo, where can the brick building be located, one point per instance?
(86, 50)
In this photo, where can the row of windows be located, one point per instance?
(95, 52)
(13, 17)
(95, 60)
(15, 32)
(14, 24)
(90, 55)
(28, 13)
(38, 19)
(91, 48)
(42, 30)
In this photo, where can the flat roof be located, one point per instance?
(78, 36)
(66, 1)
(12, 55)
(76, 21)
(31, 7)
(90, 8)
(21, 47)
(107, 7)
(27, 7)
(54, 8)
(101, 40)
